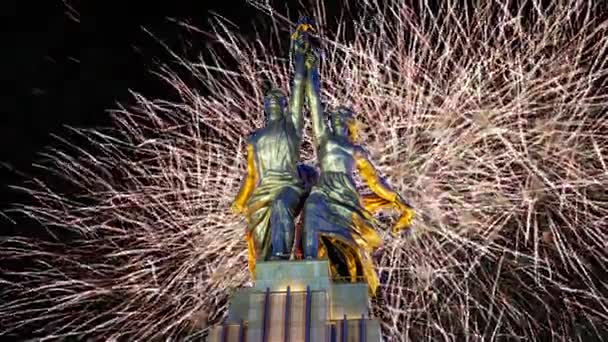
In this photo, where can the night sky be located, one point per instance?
(68, 62)
(67, 67)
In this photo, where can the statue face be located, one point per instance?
(343, 123)
(274, 104)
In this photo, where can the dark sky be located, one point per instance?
(66, 62)
(67, 67)
(60, 71)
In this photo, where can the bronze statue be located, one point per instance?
(275, 187)
(338, 223)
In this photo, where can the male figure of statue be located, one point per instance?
(276, 186)
(338, 222)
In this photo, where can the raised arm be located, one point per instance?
(240, 202)
(299, 46)
(313, 94)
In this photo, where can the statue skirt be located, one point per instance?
(345, 230)
(259, 211)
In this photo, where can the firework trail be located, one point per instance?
(490, 119)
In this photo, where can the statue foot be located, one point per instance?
(279, 256)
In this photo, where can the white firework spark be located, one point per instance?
(490, 122)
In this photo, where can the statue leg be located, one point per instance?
(310, 240)
(310, 244)
(282, 225)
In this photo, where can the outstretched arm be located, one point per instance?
(313, 94)
(371, 178)
(385, 196)
(238, 206)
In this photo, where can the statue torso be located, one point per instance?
(337, 160)
(336, 154)
(277, 147)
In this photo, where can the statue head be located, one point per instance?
(306, 24)
(343, 123)
(274, 104)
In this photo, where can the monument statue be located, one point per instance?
(276, 185)
(301, 300)
(338, 223)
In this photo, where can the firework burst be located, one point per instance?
(490, 119)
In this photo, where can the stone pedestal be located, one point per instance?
(295, 301)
